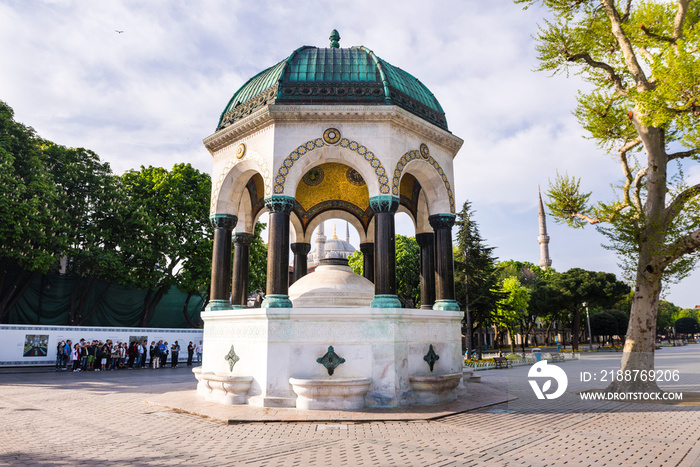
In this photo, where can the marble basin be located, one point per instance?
(435, 389)
(225, 389)
(330, 393)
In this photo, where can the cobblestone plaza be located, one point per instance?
(111, 419)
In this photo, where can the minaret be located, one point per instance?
(347, 232)
(320, 243)
(543, 238)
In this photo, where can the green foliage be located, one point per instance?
(29, 206)
(174, 208)
(408, 270)
(356, 262)
(257, 274)
(513, 307)
(609, 323)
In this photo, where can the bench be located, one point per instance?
(501, 362)
(556, 357)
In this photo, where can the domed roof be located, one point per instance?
(312, 75)
(332, 285)
(338, 245)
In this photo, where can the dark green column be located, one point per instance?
(221, 261)
(301, 251)
(241, 267)
(444, 262)
(384, 207)
(426, 242)
(367, 250)
(277, 296)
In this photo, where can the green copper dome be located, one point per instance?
(332, 76)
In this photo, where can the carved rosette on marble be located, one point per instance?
(330, 360)
(231, 358)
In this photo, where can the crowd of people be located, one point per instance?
(111, 356)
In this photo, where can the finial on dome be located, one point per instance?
(335, 37)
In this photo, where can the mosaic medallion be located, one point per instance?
(313, 177)
(331, 136)
(424, 151)
(354, 177)
(240, 151)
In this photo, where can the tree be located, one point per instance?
(175, 207)
(642, 63)
(579, 288)
(609, 323)
(513, 308)
(476, 275)
(28, 209)
(687, 326)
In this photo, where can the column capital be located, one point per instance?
(367, 247)
(279, 203)
(442, 221)
(425, 239)
(384, 203)
(300, 248)
(243, 238)
(223, 221)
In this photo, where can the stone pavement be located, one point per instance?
(103, 419)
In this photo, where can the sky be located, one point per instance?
(148, 95)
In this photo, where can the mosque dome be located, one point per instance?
(332, 285)
(334, 76)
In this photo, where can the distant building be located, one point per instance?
(330, 248)
(543, 238)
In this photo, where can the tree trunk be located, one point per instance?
(150, 302)
(575, 329)
(99, 299)
(468, 333)
(480, 343)
(190, 323)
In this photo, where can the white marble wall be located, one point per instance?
(386, 345)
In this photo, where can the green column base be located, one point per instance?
(385, 301)
(239, 307)
(277, 301)
(218, 305)
(448, 305)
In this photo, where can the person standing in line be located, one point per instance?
(164, 350)
(190, 353)
(59, 355)
(174, 355)
(67, 354)
(154, 354)
(76, 357)
(200, 348)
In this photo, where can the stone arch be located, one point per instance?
(430, 175)
(338, 214)
(297, 163)
(245, 216)
(230, 185)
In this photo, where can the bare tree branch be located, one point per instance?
(637, 185)
(647, 55)
(676, 206)
(683, 154)
(590, 220)
(626, 168)
(614, 77)
(658, 37)
(680, 247)
(680, 19)
(626, 15)
(630, 58)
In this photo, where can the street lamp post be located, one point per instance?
(590, 336)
